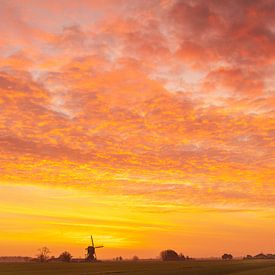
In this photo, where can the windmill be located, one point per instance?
(91, 254)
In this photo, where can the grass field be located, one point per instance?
(257, 267)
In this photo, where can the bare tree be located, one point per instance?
(43, 254)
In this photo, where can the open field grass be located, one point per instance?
(257, 267)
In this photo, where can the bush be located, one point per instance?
(227, 257)
(65, 256)
(169, 255)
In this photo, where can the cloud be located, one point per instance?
(236, 81)
(155, 108)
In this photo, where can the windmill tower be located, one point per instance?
(91, 254)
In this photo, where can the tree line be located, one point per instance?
(165, 255)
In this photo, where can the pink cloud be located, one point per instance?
(95, 93)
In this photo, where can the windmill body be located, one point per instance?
(91, 251)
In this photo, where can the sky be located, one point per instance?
(148, 124)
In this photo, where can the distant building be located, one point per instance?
(260, 256)
(78, 260)
(14, 259)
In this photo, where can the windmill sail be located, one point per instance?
(91, 251)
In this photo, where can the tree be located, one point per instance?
(65, 256)
(135, 258)
(43, 254)
(169, 255)
(227, 256)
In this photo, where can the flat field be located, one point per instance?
(257, 267)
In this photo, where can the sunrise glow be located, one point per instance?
(149, 124)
